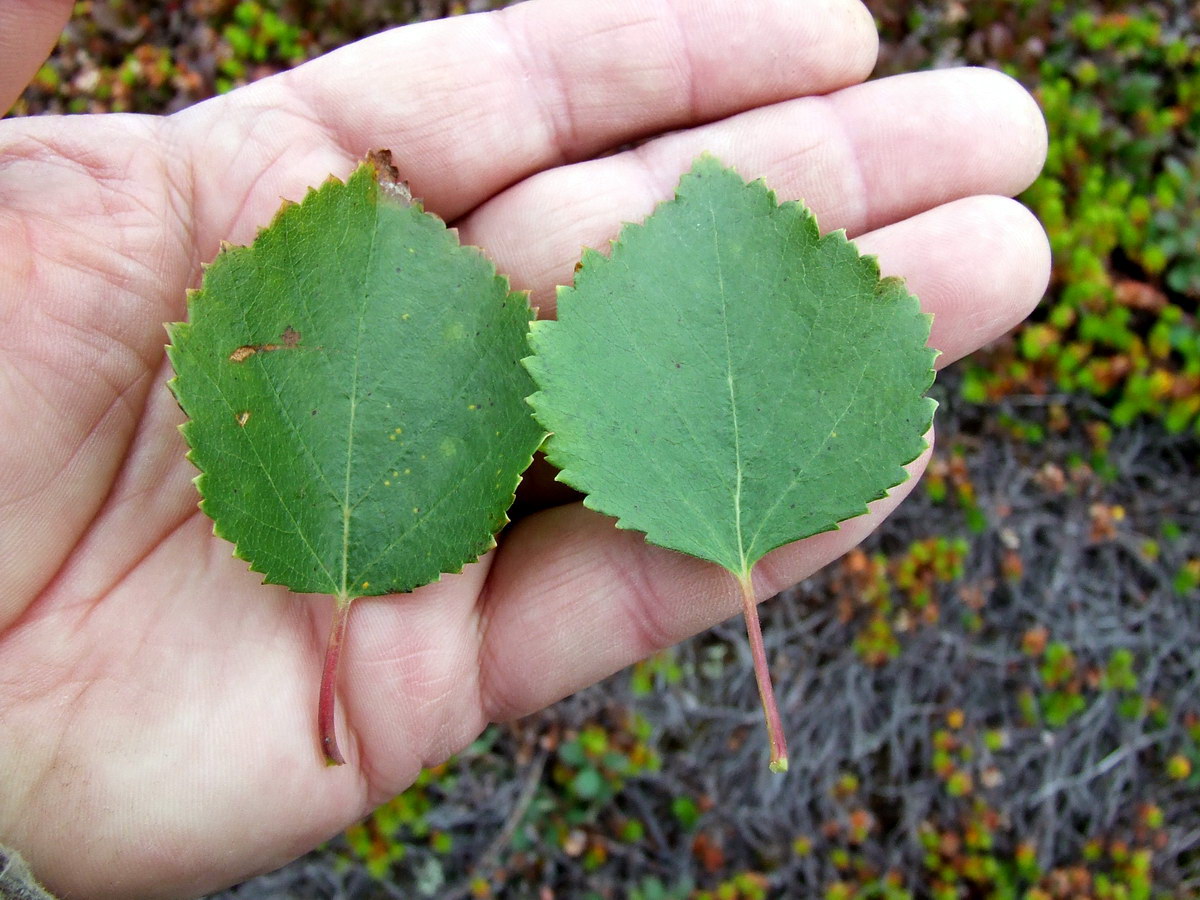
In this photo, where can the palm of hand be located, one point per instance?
(158, 701)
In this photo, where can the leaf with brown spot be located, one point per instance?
(359, 304)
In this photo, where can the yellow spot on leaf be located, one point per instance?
(243, 418)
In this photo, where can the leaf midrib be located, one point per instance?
(743, 569)
(347, 506)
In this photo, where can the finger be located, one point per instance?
(980, 265)
(861, 158)
(472, 104)
(572, 599)
(28, 30)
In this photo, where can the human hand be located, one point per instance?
(157, 701)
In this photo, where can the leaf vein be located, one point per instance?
(347, 509)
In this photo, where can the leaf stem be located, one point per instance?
(766, 693)
(326, 724)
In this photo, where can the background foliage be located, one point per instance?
(999, 695)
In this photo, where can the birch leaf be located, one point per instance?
(355, 397)
(730, 381)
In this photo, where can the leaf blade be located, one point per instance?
(690, 354)
(363, 368)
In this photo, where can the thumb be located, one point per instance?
(28, 30)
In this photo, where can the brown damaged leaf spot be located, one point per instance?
(243, 417)
(290, 341)
(388, 176)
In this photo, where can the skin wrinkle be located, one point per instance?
(307, 112)
(118, 278)
(110, 176)
(48, 671)
(107, 361)
(359, 708)
(560, 117)
(93, 602)
(181, 197)
(640, 602)
(119, 496)
(116, 400)
(451, 735)
(559, 128)
(691, 103)
(253, 145)
(491, 702)
(433, 707)
(94, 432)
(849, 162)
(54, 759)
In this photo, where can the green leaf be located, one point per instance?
(355, 394)
(729, 381)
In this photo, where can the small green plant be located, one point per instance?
(383, 840)
(1063, 699)
(254, 35)
(900, 594)
(742, 886)
(1118, 196)
(658, 671)
(593, 766)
